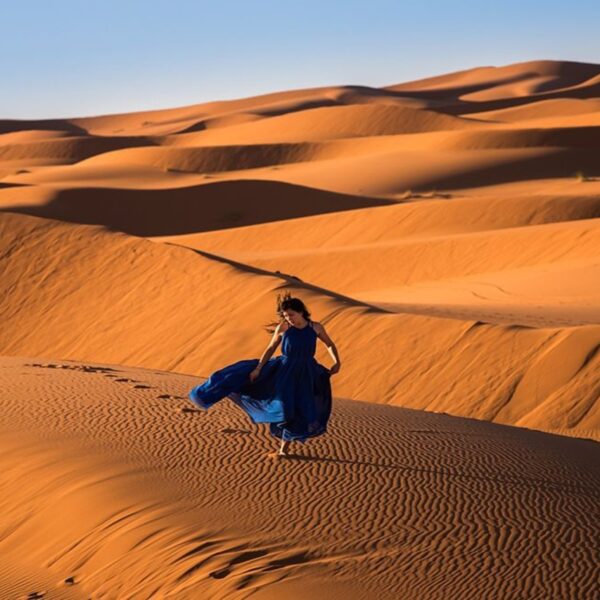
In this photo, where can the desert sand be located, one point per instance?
(446, 233)
(111, 478)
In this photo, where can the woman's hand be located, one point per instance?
(254, 374)
(334, 369)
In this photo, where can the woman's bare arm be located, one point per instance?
(270, 349)
(331, 347)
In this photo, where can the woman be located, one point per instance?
(291, 392)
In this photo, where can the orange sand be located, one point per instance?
(446, 233)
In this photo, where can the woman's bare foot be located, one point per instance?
(282, 450)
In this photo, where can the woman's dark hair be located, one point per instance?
(286, 301)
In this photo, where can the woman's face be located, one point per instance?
(293, 317)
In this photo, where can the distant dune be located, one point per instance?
(445, 231)
(183, 210)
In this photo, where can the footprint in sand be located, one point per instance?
(233, 430)
(187, 409)
(84, 368)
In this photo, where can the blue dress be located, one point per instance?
(292, 392)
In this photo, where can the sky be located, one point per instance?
(76, 58)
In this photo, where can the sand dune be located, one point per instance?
(494, 88)
(31, 135)
(385, 166)
(375, 174)
(209, 159)
(445, 231)
(385, 202)
(464, 253)
(555, 74)
(421, 215)
(332, 123)
(558, 107)
(165, 122)
(349, 139)
(54, 308)
(66, 148)
(460, 273)
(564, 137)
(204, 207)
(11, 126)
(138, 495)
(432, 170)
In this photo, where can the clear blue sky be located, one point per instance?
(70, 58)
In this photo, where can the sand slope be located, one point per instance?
(183, 210)
(111, 478)
(169, 307)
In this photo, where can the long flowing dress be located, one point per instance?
(292, 391)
